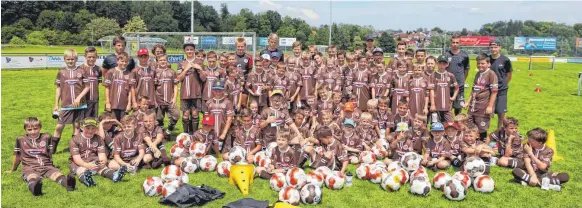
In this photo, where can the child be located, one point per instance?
(327, 120)
(366, 131)
(471, 147)
(429, 70)
(455, 139)
(329, 77)
(34, 150)
(93, 73)
(420, 56)
(403, 115)
(329, 153)
(153, 138)
(381, 83)
(419, 133)
(400, 143)
(88, 156)
(441, 100)
(283, 157)
(400, 56)
(483, 96)
(142, 108)
(351, 142)
(223, 111)
(341, 59)
(535, 166)
(166, 92)
(382, 118)
(145, 76)
(209, 76)
(301, 120)
(109, 127)
(308, 77)
(255, 111)
(399, 85)
(280, 81)
(296, 53)
(419, 91)
(337, 105)
(128, 149)
(508, 142)
(207, 136)
(119, 87)
(233, 87)
(256, 85)
(191, 89)
(71, 89)
(437, 149)
(349, 113)
(362, 84)
(247, 136)
(325, 102)
(463, 120)
(348, 75)
(274, 117)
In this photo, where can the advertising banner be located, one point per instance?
(286, 41)
(191, 39)
(26, 62)
(578, 42)
(232, 40)
(263, 41)
(535, 43)
(208, 40)
(476, 40)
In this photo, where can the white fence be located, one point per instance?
(35, 61)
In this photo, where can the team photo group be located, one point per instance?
(286, 113)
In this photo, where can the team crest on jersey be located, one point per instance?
(423, 85)
(287, 159)
(126, 77)
(448, 79)
(135, 143)
(42, 144)
(351, 142)
(450, 59)
(405, 146)
(483, 123)
(94, 144)
(246, 61)
(79, 75)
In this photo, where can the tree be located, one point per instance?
(300, 35)
(578, 28)
(120, 11)
(17, 41)
(101, 27)
(8, 32)
(24, 23)
(251, 21)
(565, 47)
(464, 32)
(65, 21)
(275, 19)
(387, 43)
(357, 43)
(136, 24)
(163, 23)
(82, 17)
(36, 38)
(264, 25)
(50, 36)
(226, 24)
(47, 19)
(239, 23)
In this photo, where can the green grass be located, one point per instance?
(31, 93)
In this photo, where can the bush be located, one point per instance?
(36, 38)
(17, 41)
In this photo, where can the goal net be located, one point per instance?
(542, 62)
(475, 50)
(432, 51)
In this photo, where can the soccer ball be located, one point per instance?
(208, 163)
(315, 178)
(410, 161)
(223, 169)
(311, 194)
(289, 195)
(270, 147)
(379, 152)
(170, 187)
(237, 155)
(484, 184)
(454, 190)
(463, 177)
(379, 165)
(177, 150)
(264, 162)
(325, 171)
(392, 181)
(393, 166)
(420, 172)
(277, 181)
(184, 178)
(420, 186)
(152, 186)
(376, 175)
(260, 155)
(440, 179)
(335, 181)
(363, 171)
(171, 172)
(197, 150)
(404, 176)
(367, 157)
(296, 177)
(475, 166)
(183, 139)
(190, 165)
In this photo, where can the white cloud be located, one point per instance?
(310, 14)
(269, 5)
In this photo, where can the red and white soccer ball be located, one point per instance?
(177, 150)
(335, 181)
(404, 177)
(379, 165)
(410, 161)
(152, 186)
(265, 162)
(311, 194)
(363, 171)
(455, 190)
(440, 179)
(367, 157)
(475, 166)
(296, 177)
(376, 175)
(184, 178)
(223, 169)
(183, 139)
(197, 150)
(171, 172)
(260, 155)
(315, 178)
(170, 187)
(324, 170)
(392, 181)
(393, 166)
(484, 184)
(278, 182)
(463, 177)
(289, 195)
(208, 163)
(420, 186)
(379, 152)
(237, 155)
(420, 172)
(190, 165)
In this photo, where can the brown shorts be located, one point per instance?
(92, 110)
(191, 104)
(170, 109)
(482, 122)
(71, 116)
(44, 172)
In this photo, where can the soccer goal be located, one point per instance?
(432, 51)
(542, 62)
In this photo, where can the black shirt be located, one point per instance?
(110, 62)
(458, 64)
(501, 66)
(267, 51)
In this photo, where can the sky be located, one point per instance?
(410, 15)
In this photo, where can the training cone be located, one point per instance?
(242, 176)
(283, 205)
(551, 143)
(538, 88)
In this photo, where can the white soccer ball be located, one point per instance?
(277, 181)
(260, 155)
(324, 170)
(289, 195)
(440, 179)
(367, 157)
(392, 181)
(223, 169)
(335, 181)
(208, 163)
(463, 177)
(237, 155)
(152, 186)
(410, 161)
(170, 173)
(379, 165)
(177, 150)
(420, 172)
(454, 190)
(184, 178)
(393, 166)
(484, 184)
(190, 165)
(420, 186)
(296, 177)
(197, 150)
(316, 178)
(170, 187)
(474, 166)
(311, 194)
(363, 171)
(376, 175)
(183, 139)
(264, 162)
(379, 152)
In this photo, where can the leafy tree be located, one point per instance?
(136, 24)
(47, 19)
(464, 32)
(275, 19)
(101, 27)
(163, 23)
(437, 29)
(578, 28)
(239, 23)
(81, 19)
(36, 38)
(251, 20)
(50, 36)
(387, 43)
(300, 35)
(8, 32)
(264, 25)
(226, 24)
(24, 23)
(17, 41)
(358, 42)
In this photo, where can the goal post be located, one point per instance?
(542, 62)
(432, 51)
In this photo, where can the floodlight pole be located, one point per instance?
(330, 22)
(192, 16)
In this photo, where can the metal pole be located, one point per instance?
(330, 22)
(192, 16)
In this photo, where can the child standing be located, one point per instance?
(191, 89)
(209, 76)
(256, 85)
(399, 85)
(362, 84)
(381, 83)
(419, 92)
(365, 130)
(166, 92)
(483, 96)
(308, 77)
(93, 73)
(145, 76)
(441, 100)
(119, 88)
(223, 111)
(233, 87)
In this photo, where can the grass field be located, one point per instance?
(31, 93)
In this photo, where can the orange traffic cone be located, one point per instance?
(538, 88)
(551, 143)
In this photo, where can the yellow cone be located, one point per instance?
(283, 205)
(551, 143)
(242, 176)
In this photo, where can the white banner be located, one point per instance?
(286, 41)
(26, 62)
(232, 40)
(191, 39)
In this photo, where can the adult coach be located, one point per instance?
(501, 65)
(273, 44)
(244, 62)
(370, 44)
(110, 61)
(459, 66)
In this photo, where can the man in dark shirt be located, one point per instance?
(501, 65)
(110, 61)
(272, 47)
(459, 66)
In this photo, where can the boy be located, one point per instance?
(455, 139)
(382, 118)
(153, 138)
(166, 92)
(34, 150)
(145, 76)
(233, 87)
(400, 56)
(537, 158)
(191, 89)
(483, 96)
(508, 142)
(207, 136)
(419, 133)
(275, 117)
(348, 75)
(112, 61)
(441, 102)
(246, 136)
(93, 73)
(419, 91)
(128, 149)
(280, 81)
(329, 77)
(341, 59)
(349, 112)
(119, 87)
(366, 131)
(362, 84)
(223, 111)
(88, 156)
(71, 89)
(283, 157)
(109, 127)
(381, 83)
(400, 143)
(209, 76)
(351, 142)
(402, 114)
(399, 85)
(144, 106)
(420, 56)
(471, 147)
(256, 85)
(308, 74)
(329, 153)
(437, 149)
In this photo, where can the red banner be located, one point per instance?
(476, 40)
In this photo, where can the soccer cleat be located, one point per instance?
(118, 175)
(71, 182)
(88, 179)
(168, 132)
(35, 188)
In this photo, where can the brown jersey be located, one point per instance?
(361, 88)
(455, 144)
(139, 115)
(127, 148)
(247, 138)
(336, 111)
(165, 82)
(338, 156)
(233, 89)
(352, 141)
(71, 84)
(485, 83)
(402, 147)
(501, 138)
(419, 91)
(543, 154)
(285, 159)
(257, 83)
(209, 76)
(269, 132)
(308, 78)
(207, 138)
(87, 148)
(191, 87)
(330, 78)
(438, 149)
(369, 136)
(145, 77)
(109, 140)
(465, 144)
(443, 82)
(294, 82)
(392, 64)
(420, 138)
(348, 80)
(93, 75)
(119, 84)
(220, 109)
(277, 82)
(34, 152)
(399, 90)
(381, 84)
(406, 118)
(383, 120)
(143, 132)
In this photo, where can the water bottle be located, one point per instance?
(434, 117)
(55, 114)
(349, 179)
(493, 161)
(545, 183)
(132, 170)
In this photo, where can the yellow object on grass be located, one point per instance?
(242, 176)
(551, 143)
(283, 205)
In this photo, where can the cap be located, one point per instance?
(208, 120)
(442, 58)
(89, 122)
(369, 37)
(275, 92)
(452, 124)
(142, 51)
(218, 85)
(266, 57)
(376, 50)
(275, 54)
(495, 42)
(349, 106)
(349, 121)
(436, 126)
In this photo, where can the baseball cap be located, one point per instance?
(275, 92)
(376, 50)
(436, 126)
(275, 54)
(142, 51)
(349, 121)
(402, 126)
(442, 58)
(208, 120)
(369, 37)
(452, 124)
(349, 106)
(89, 122)
(218, 85)
(266, 57)
(495, 42)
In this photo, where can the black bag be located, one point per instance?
(247, 203)
(188, 195)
